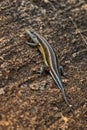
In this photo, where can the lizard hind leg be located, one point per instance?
(43, 69)
(61, 71)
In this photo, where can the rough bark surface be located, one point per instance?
(28, 100)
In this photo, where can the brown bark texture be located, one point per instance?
(28, 100)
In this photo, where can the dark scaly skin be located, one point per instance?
(50, 59)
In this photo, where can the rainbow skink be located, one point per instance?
(49, 58)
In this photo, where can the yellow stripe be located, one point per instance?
(43, 53)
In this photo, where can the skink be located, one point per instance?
(49, 58)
